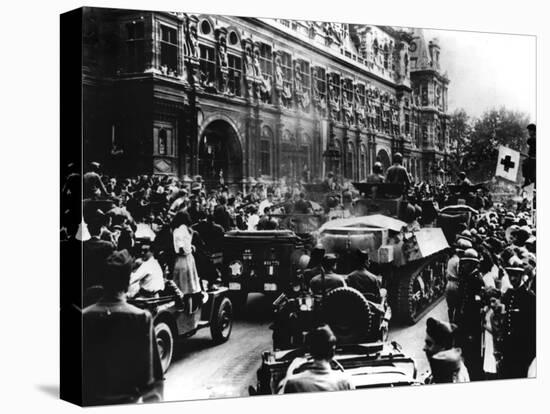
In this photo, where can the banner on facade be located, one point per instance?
(507, 163)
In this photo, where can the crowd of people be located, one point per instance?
(490, 294)
(159, 227)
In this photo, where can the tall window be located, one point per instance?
(407, 124)
(207, 64)
(334, 91)
(265, 151)
(286, 66)
(360, 94)
(348, 90)
(320, 83)
(169, 48)
(135, 41)
(266, 65)
(306, 78)
(378, 122)
(386, 118)
(235, 70)
(386, 56)
(164, 143)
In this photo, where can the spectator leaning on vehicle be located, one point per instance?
(120, 354)
(316, 375)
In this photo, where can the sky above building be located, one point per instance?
(488, 70)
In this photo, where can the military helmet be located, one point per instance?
(463, 244)
(515, 265)
(470, 255)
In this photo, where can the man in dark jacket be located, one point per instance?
(468, 319)
(519, 339)
(316, 375)
(363, 280)
(330, 280)
(397, 174)
(120, 354)
(94, 254)
(221, 215)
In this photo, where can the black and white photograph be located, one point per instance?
(271, 206)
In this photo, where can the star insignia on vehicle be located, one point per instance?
(236, 268)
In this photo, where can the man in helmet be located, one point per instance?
(397, 174)
(519, 340)
(469, 313)
(377, 175)
(451, 289)
(330, 280)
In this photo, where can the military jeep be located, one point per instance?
(264, 261)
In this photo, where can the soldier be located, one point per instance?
(377, 175)
(451, 289)
(330, 280)
(397, 174)
(469, 315)
(519, 339)
(363, 280)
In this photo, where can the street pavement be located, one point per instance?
(201, 370)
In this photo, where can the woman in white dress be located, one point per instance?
(185, 271)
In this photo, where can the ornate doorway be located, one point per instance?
(220, 155)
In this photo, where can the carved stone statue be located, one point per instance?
(248, 62)
(193, 41)
(257, 67)
(222, 53)
(279, 76)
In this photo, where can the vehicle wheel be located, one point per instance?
(348, 314)
(222, 321)
(165, 344)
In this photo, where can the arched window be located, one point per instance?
(265, 151)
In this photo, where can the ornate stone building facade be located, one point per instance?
(238, 98)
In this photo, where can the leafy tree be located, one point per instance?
(493, 128)
(460, 129)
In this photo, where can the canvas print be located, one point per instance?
(270, 206)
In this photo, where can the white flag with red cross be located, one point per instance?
(507, 163)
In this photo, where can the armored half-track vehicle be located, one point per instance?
(411, 260)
